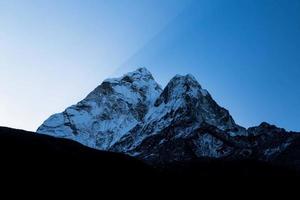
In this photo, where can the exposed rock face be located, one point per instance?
(133, 115)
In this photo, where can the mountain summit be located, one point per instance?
(134, 115)
(108, 113)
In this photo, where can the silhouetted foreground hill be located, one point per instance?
(29, 155)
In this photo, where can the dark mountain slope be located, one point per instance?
(28, 155)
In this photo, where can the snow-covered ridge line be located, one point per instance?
(132, 114)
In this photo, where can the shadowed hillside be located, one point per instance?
(29, 155)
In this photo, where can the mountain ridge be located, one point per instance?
(134, 115)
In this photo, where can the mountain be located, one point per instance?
(107, 113)
(180, 123)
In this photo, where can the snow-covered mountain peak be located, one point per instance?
(182, 88)
(133, 115)
(107, 113)
(139, 75)
(135, 86)
(187, 78)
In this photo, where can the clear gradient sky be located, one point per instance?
(245, 52)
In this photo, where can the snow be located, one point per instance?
(209, 146)
(104, 119)
(271, 151)
(204, 92)
(126, 92)
(54, 121)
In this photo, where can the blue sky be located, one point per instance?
(246, 53)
